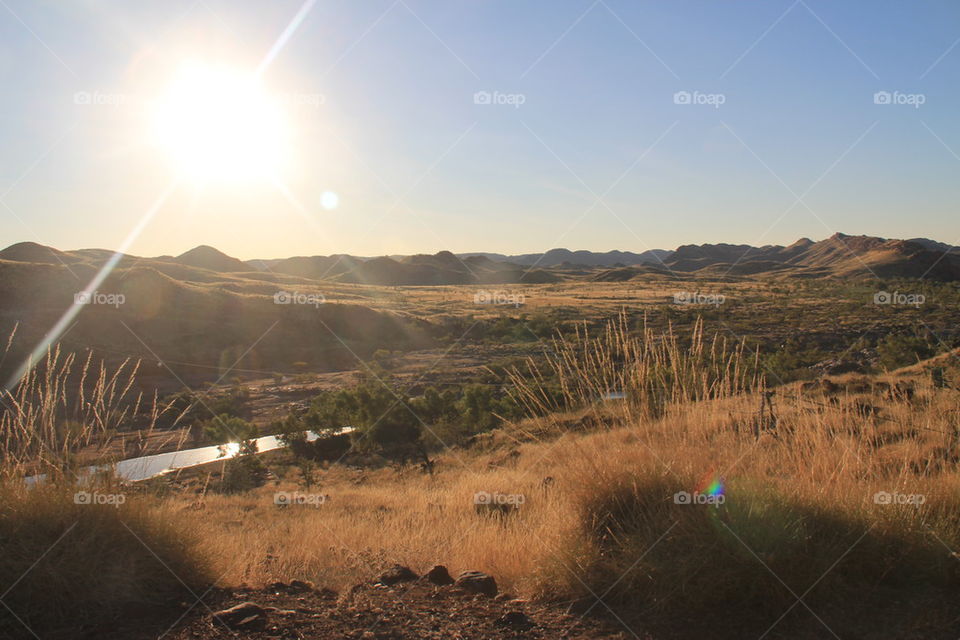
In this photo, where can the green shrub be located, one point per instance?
(227, 428)
(897, 351)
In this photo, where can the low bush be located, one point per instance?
(71, 562)
(735, 568)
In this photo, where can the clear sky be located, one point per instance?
(584, 144)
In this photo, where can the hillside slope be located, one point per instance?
(194, 330)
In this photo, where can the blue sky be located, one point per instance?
(379, 98)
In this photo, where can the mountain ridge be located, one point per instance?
(840, 255)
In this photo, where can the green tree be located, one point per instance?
(901, 351)
(227, 428)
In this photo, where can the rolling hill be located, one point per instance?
(190, 324)
(839, 255)
(558, 257)
(443, 268)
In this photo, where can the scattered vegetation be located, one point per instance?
(77, 549)
(592, 440)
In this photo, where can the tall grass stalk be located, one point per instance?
(652, 370)
(64, 406)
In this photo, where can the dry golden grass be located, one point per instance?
(800, 504)
(380, 517)
(800, 496)
(63, 407)
(68, 563)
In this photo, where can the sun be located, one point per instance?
(218, 124)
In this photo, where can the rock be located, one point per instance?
(246, 615)
(514, 620)
(396, 574)
(477, 582)
(300, 586)
(439, 575)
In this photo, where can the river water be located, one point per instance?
(146, 467)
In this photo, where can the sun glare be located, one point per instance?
(219, 124)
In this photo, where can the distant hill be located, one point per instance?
(191, 323)
(33, 252)
(623, 274)
(443, 268)
(313, 267)
(933, 245)
(557, 257)
(204, 257)
(839, 255)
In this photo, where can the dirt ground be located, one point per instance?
(414, 611)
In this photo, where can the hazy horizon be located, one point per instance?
(573, 248)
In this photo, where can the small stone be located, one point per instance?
(246, 615)
(396, 574)
(300, 586)
(514, 620)
(477, 582)
(439, 575)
